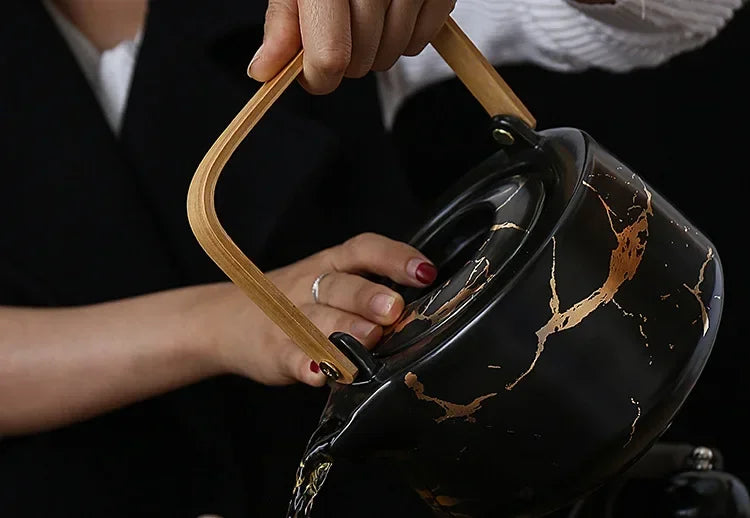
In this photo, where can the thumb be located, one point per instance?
(302, 368)
(311, 374)
(281, 40)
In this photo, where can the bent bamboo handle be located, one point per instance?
(478, 74)
(227, 255)
(470, 66)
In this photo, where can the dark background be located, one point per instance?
(680, 126)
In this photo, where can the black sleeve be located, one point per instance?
(19, 287)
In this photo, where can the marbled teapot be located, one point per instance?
(575, 312)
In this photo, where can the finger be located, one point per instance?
(329, 320)
(354, 294)
(398, 28)
(367, 18)
(374, 253)
(431, 19)
(281, 40)
(327, 40)
(301, 368)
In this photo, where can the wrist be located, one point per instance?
(197, 323)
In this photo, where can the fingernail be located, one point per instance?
(255, 58)
(426, 273)
(314, 367)
(381, 304)
(421, 270)
(362, 328)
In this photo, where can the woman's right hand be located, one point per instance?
(245, 341)
(61, 365)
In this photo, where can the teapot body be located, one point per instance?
(575, 312)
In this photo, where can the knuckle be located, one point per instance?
(353, 247)
(329, 287)
(415, 48)
(364, 238)
(327, 258)
(363, 56)
(317, 87)
(357, 71)
(346, 254)
(332, 60)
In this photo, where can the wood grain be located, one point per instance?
(472, 69)
(227, 255)
(478, 74)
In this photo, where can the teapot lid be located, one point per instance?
(472, 240)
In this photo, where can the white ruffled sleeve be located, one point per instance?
(565, 35)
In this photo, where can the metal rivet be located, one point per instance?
(503, 136)
(702, 458)
(329, 370)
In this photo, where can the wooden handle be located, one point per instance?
(470, 66)
(227, 255)
(477, 74)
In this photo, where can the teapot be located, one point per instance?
(575, 311)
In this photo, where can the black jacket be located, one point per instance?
(90, 217)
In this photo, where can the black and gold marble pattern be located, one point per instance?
(556, 354)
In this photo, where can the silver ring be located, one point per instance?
(316, 287)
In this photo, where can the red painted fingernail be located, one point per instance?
(314, 367)
(426, 273)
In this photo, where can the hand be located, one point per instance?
(247, 342)
(344, 37)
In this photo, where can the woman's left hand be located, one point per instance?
(344, 38)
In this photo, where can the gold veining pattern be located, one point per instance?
(632, 425)
(452, 410)
(502, 226)
(307, 486)
(639, 316)
(477, 280)
(314, 480)
(623, 264)
(508, 224)
(696, 290)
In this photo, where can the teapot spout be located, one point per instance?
(313, 469)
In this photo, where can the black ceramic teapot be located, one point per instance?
(575, 312)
